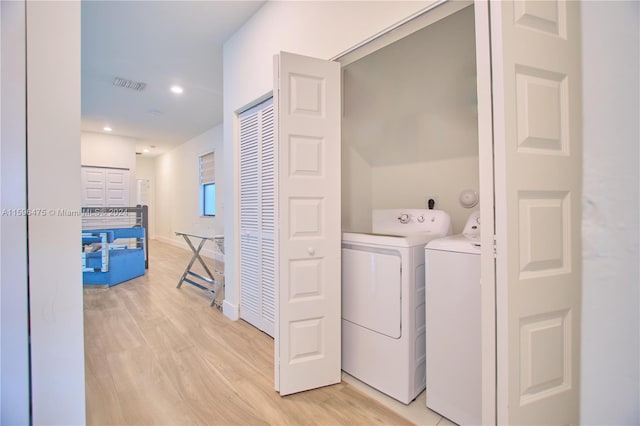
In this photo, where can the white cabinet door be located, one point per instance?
(117, 187)
(117, 195)
(257, 217)
(105, 187)
(537, 141)
(308, 328)
(93, 187)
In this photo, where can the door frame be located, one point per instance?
(491, 399)
(14, 333)
(489, 304)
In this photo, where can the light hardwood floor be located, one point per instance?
(155, 354)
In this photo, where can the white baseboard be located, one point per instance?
(230, 310)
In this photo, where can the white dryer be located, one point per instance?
(454, 374)
(383, 318)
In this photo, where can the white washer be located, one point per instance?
(383, 322)
(453, 325)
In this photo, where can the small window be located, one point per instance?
(207, 185)
(209, 199)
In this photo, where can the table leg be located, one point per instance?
(196, 255)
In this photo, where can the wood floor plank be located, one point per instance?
(105, 410)
(158, 355)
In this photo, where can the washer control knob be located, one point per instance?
(403, 218)
(421, 218)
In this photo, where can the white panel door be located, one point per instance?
(94, 190)
(117, 188)
(308, 330)
(93, 187)
(105, 187)
(117, 195)
(537, 136)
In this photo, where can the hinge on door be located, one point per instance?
(495, 248)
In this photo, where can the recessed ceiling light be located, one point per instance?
(107, 129)
(145, 150)
(177, 89)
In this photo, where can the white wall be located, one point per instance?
(316, 28)
(177, 200)
(102, 150)
(356, 190)
(146, 169)
(320, 29)
(407, 185)
(14, 342)
(55, 276)
(611, 293)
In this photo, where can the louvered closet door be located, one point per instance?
(257, 217)
(267, 220)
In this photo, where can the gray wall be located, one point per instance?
(410, 124)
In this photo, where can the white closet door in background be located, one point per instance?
(117, 188)
(105, 187)
(117, 195)
(143, 188)
(257, 217)
(93, 187)
(308, 327)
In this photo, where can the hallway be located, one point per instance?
(159, 355)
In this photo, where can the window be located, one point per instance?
(207, 185)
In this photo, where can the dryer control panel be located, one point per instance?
(405, 222)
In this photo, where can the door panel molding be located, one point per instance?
(308, 327)
(536, 81)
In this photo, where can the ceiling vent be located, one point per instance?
(129, 84)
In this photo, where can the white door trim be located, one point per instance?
(487, 205)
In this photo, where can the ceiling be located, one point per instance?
(159, 43)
